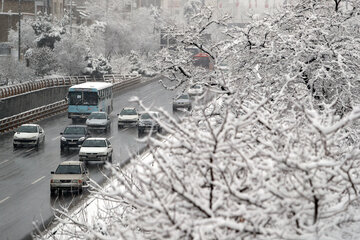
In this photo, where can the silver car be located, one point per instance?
(182, 101)
(98, 121)
(69, 175)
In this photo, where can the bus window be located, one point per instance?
(75, 98)
(90, 98)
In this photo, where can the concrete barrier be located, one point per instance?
(20, 103)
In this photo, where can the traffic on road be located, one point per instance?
(47, 164)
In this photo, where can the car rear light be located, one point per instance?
(80, 181)
(51, 181)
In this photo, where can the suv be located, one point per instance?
(98, 121)
(147, 121)
(96, 149)
(69, 175)
(29, 135)
(182, 101)
(73, 136)
(128, 116)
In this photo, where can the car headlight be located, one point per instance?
(81, 139)
(55, 181)
(102, 154)
(76, 181)
(82, 154)
(63, 139)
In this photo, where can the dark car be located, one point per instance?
(148, 122)
(73, 136)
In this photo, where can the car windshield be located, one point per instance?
(27, 129)
(97, 116)
(128, 112)
(75, 130)
(68, 169)
(195, 87)
(184, 96)
(94, 143)
(145, 116)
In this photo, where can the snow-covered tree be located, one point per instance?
(71, 54)
(27, 35)
(47, 31)
(42, 60)
(97, 67)
(12, 71)
(269, 151)
(125, 31)
(308, 41)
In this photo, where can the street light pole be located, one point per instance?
(19, 46)
(71, 17)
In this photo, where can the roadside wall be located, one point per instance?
(20, 103)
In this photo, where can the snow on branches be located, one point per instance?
(268, 151)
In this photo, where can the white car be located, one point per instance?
(69, 175)
(29, 135)
(128, 117)
(195, 90)
(96, 149)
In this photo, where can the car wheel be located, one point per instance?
(120, 126)
(174, 109)
(110, 159)
(140, 132)
(37, 144)
(15, 146)
(189, 108)
(159, 129)
(80, 190)
(52, 192)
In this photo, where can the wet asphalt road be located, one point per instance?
(25, 173)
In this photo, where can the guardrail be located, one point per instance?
(10, 123)
(9, 91)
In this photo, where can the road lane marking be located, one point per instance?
(111, 137)
(4, 200)
(30, 150)
(55, 138)
(38, 180)
(4, 161)
(123, 130)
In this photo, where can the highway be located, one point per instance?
(25, 172)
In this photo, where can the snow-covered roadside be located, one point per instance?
(91, 210)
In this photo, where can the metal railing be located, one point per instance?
(13, 90)
(36, 114)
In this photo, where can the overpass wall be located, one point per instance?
(20, 103)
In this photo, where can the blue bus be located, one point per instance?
(89, 97)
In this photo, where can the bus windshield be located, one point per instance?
(83, 98)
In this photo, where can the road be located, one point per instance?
(25, 173)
